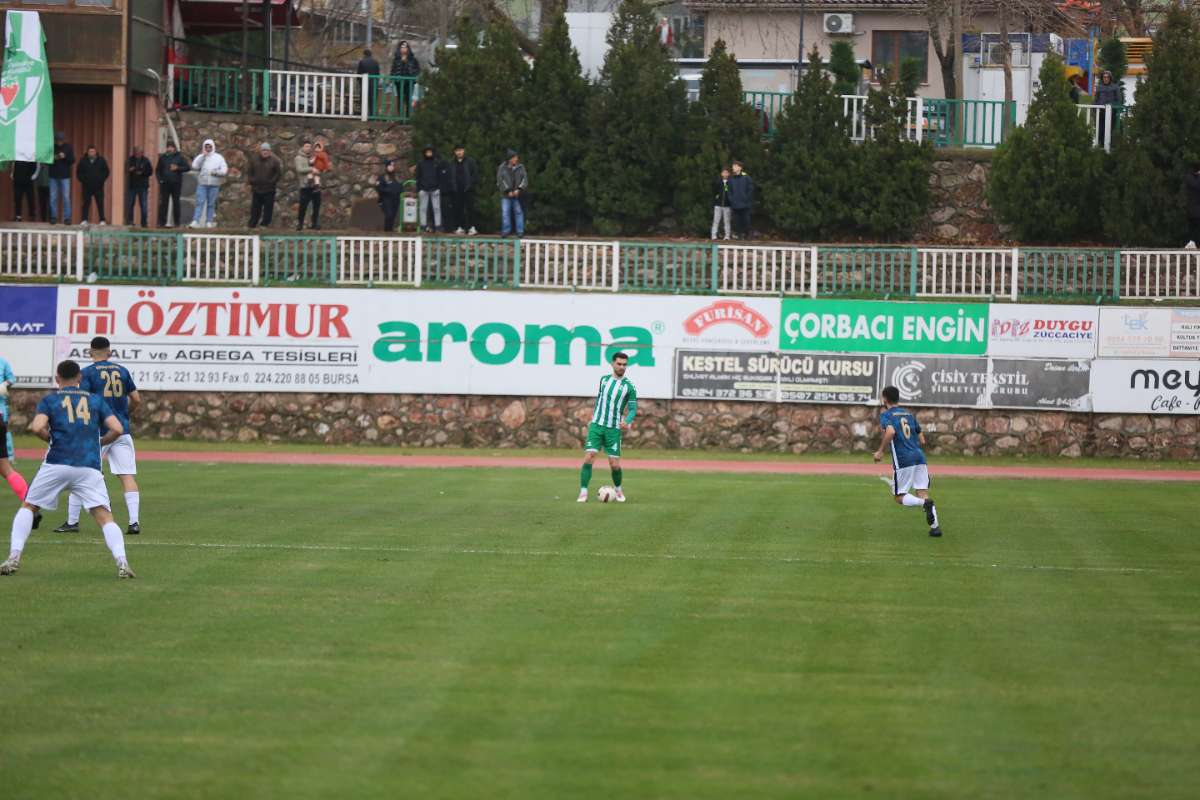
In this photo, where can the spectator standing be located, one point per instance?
(1192, 183)
(210, 169)
(92, 173)
(464, 179)
(310, 191)
(741, 200)
(367, 65)
(263, 173)
(1108, 93)
(721, 210)
(138, 187)
(41, 180)
(512, 180)
(405, 69)
(391, 190)
(60, 180)
(430, 173)
(23, 173)
(169, 173)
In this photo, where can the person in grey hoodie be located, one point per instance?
(210, 169)
(512, 180)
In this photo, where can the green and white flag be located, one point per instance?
(26, 99)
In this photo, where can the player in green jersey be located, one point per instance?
(616, 405)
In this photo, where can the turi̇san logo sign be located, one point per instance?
(497, 343)
(728, 312)
(865, 326)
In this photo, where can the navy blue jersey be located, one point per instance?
(76, 425)
(112, 382)
(906, 447)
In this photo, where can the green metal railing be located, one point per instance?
(886, 271)
(1055, 272)
(968, 123)
(207, 88)
(124, 255)
(299, 259)
(768, 105)
(654, 267)
(392, 99)
(472, 263)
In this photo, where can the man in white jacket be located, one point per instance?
(210, 169)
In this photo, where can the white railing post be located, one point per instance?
(79, 256)
(1016, 261)
(418, 255)
(255, 261)
(812, 271)
(920, 119)
(616, 266)
(365, 85)
(170, 86)
(1108, 124)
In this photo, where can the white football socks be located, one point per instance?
(912, 500)
(133, 501)
(74, 509)
(21, 528)
(115, 541)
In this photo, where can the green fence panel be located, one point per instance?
(132, 256)
(875, 271)
(391, 98)
(298, 260)
(208, 88)
(652, 267)
(967, 123)
(768, 106)
(470, 263)
(1062, 272)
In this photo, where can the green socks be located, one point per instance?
(616, 473)
(585, 476)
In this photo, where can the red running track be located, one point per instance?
(742, 467)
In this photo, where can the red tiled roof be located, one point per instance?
(810, 5)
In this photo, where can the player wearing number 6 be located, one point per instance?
(114, 383)
(72, 421)
(910, 474)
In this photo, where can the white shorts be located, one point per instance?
(122, 458)
(54, 479)
(906, 479)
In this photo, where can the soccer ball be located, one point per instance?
(606, 494)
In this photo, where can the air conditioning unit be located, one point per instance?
(839, 23)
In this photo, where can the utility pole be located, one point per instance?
(800, 58)
(245, 76)
(370, 14)
(957, 47)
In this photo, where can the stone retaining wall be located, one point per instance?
(959, 213)
(475, 421)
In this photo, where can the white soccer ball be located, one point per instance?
(606, 494)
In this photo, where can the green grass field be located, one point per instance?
(369, 633)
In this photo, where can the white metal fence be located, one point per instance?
(36, 253)
(1100, 120)
(854, 108)
(220, 258)
(751, 269)
(317, 94)
(1160, 274)
(558, 264)
(971, 272)
(375, 260)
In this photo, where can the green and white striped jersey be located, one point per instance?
(616, 394)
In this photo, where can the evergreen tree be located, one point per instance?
(1112, 57)
(1146, 196)
(1045, 171)
(808, 192)
(637, 118)
(844, 67)
(720, 128)
(472, 99)
(892, 192)
(553, 112)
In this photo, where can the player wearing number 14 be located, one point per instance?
(72, 421)
(114, 383)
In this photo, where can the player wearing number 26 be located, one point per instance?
(77, 424)
(114, 383)
(910, 473)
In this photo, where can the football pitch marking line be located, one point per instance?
(478, 551)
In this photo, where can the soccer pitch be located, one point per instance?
(379, 633)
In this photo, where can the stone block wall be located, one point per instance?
(479, 421)
(959, 211)
(358, 150)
